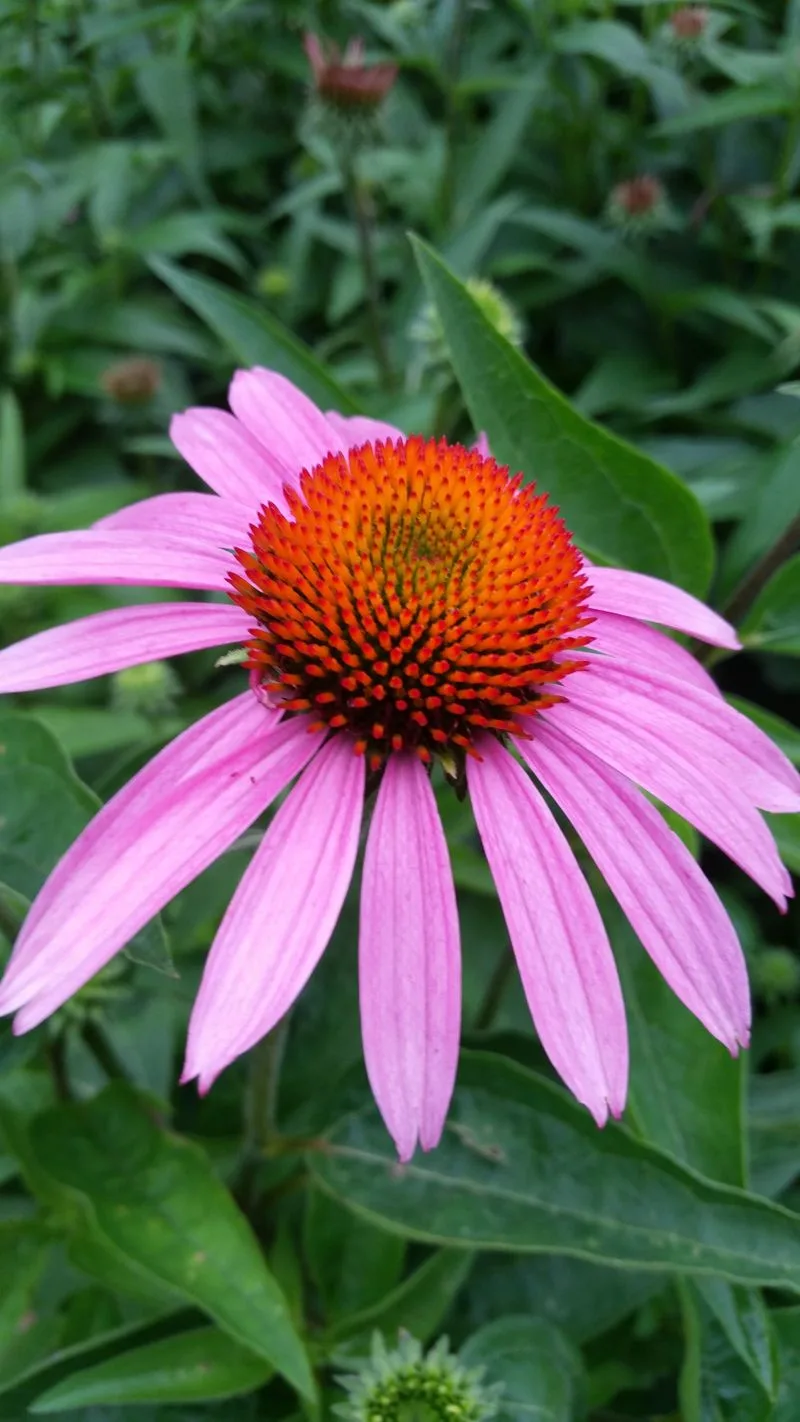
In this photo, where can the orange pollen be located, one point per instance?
(414, 596)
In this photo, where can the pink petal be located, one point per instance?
(658, 884)
(636, 644)
(359, 429)
(227, 457)
(565, 962)
(651, 600)
(123, 637)
(295, 434)
(282, 915)
(723, 742)
(482, 445)
(409, 959)
(168, 824)
(97, 556)
(677, 776)
(202, 518)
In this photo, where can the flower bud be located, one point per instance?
(149, 689)
(131, 382)
(344, 80)
(406, 1383)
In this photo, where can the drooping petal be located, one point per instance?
(360, 429)
(564, 958)
(721, 739)
(288, 424)
(227, 457)
(409, 959)
(675, 775)
(659, 886)
(204, 518)
(122, 637)
(282, 915)
(638, 645)
(167, 825)
(114, 556)
(651, 600)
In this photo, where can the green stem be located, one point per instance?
(103, 1052)
(495, 992)
(456, 50)
(363, 221)
(743, 596)
(261, 1105)
(783, 177)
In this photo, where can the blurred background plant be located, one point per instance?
(186, 187)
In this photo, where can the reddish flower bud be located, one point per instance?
(343, 79)
(690, 22)
(637, 197)
(131, 382)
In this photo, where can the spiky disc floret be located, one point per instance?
(406, 1383)
(414, 596)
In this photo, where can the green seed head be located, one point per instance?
(408, 1385)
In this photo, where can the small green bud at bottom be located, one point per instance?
(408, 1385)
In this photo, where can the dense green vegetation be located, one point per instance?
(604, 202)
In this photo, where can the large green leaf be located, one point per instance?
(188, 1367)
(622, 506)
(686, 1091)
(155, 1198)
(522, 1167)
(45, 808)
(252, 335)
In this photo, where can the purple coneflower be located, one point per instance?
(402, 602)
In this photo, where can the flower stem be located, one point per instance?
(745, 594)
(363, 221)
(495, 992)
(266, 1060)
(456, 49)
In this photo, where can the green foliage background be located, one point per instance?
(170, 190)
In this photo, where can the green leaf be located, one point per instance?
(154, 1197)
(716, 1384)
(783, 733)
(745, 1321)
(539, 1369)
(166, 86)
(774, 1119)
(686, 1091)
(773, 622)
(12, 449)
(46, 806)
(506, 1177)
(762, 101)
(252, 335)
(23, 1252)
(787, 1329)
(352, 1263)
(776, 506)
(621, 505)
(617, 44)
(197, 1366)
(786, 829)
(419, 1304)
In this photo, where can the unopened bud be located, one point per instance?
(149, 689)
(344, 80)
(392, 1386)
(689, 22)
(133, 381)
